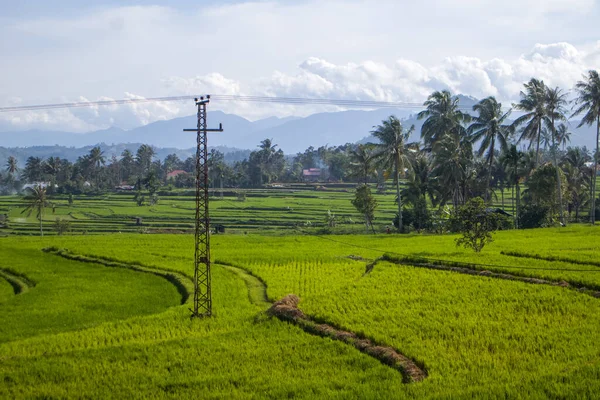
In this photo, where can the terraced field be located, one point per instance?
(105, 324)
(281, 209)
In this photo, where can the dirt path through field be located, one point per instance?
(257, 290)
(287, 310)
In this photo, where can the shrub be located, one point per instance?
(365, 204)
(476, 224)
(534, 216)
(62, 226)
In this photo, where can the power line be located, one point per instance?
(370, 104)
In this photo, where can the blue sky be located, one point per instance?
(56, 51)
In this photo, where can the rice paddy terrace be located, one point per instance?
(371, 316)
(272, 210)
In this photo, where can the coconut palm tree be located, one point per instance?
(36, 201)
(393, 152)
(443, 117)
(489, 127)
(546, 139)
(267, 155)
(127, 164)
(96, 159)
(563, 136)
(420, 180)
(452, 165)
(52, 166)
(588, 103)
(513, 161)
(362, 162)
(578, 178)
(556, 101)
(33, 171)
(145, 154)
(533, 103)
(11, 165)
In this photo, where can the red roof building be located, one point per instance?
(311, 174)
(175, 173)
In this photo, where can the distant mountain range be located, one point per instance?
(292, 134)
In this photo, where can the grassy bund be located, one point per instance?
(102, 316)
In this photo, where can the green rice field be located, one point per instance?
(97, 318)
(291, 209)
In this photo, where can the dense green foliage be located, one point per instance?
(475, 225)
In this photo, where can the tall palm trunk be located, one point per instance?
(512, 203)
(537, 151)
(41, 210)
(593, 202)
(518, 203)
(397, 162)
(489, 179)
(558, 180)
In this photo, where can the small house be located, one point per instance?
(174, 174)
(311, 174)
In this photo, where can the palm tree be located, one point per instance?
(420, 185)
(33, 171)
(556, 101)
(443, 118)
(500, 178)
(533, 103)
(96, 159)
(513, 161)
(145, 154)
(52, 167)
(577, 173)
(588, 102)
(563, 136)
(127, 164)
(362, 160)
(267, 155)
(11, 165)
(393, 152)
(452, 163)
(489, 127)
(546, 139)
(36, 201)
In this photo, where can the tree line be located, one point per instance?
(461, 155)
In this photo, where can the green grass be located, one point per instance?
(166, 355)
(473, 334)
(270, 210)
(477, 337)
(71, 295)
(6, 290)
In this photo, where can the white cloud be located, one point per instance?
(558, 64)
(355, 49)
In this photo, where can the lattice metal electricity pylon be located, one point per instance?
(202, 282)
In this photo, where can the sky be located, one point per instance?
(65, 51)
